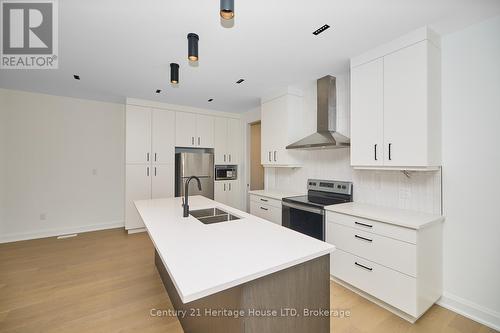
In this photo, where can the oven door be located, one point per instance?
(304, 219)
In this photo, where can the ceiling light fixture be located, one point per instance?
(321, 29)
(211, 100)
(227, 9)
(174, 73)
(76, 77)
(158, 91)
(240, 81)
(193, 47)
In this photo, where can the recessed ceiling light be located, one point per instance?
(211, 99)
(158, 91)
(321, 29)
(240, 81)
(76, 77)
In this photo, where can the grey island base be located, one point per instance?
(293, 300)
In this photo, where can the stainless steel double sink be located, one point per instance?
(212, 215)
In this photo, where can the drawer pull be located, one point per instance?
(363, 266)
(363, 238)
(363, 224)
(263, 208)
(264, 200)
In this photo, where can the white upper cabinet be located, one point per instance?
(194, 130)
(278, 118)
(204, 131)
(163, 136)
(185, 129)
(138, 134)
(227, 140)
(395, 104)
(367, 114)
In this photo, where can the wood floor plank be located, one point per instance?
(106, 281)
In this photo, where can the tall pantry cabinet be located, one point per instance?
(150, 153)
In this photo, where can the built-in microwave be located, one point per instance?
(226, 172)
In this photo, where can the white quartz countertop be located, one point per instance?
(205, 259)
(402, 217)
(274, 194)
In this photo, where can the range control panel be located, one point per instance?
(330, 186)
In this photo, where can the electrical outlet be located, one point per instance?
(43, 217)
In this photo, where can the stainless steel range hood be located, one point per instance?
(327, 135)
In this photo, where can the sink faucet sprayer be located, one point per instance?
(185, 203)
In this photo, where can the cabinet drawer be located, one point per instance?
(265, 201)
(386, 251)
(266, 212)
(379, 228)
(394, 288)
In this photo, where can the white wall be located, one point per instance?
(471, 165)
(2, 161)
(64, 158)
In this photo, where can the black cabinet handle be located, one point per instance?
(199, 141)
(147, 157)
(264, 200)
(224, 186)
(147, 171)
(263, 208)
(269, 156)
(229, 186)
(363, 266)
(155, 171)
(192, 140)
(390, 146)
(275, 156)
(375, 149)
(363, 224)
(363, 238)
(155, 157)
(224, 157)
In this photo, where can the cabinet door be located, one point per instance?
(204, 131)
(185, 129)
(162, 181)
(220, 192)
(405, 106)
(234, 140)
(221, 141)
(163, 136)
(367, 114)
(138, 134)
(271, 135)
(137, 187)
(234, 195)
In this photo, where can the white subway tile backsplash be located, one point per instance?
(421, 192)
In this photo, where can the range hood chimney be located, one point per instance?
(326, 135)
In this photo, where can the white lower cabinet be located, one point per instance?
(142, 182)
(266, 208)
(228, 192)
(385, 262)
(137, 187)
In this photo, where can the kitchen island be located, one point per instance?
(244, 275)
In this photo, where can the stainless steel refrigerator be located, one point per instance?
(200, 165)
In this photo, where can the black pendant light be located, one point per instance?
(174, 73)
(193, 47)
(227, 9)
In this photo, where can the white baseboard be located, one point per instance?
(60, 231)
(470, 310)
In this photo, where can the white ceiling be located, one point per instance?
(122, 48)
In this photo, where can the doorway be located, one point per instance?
(256, 169)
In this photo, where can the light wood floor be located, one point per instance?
(106, 281)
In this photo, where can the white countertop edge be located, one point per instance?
(437, 219)
(211, 291)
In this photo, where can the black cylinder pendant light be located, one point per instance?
(174, 73)
(193, 47)
(227, 9)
